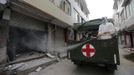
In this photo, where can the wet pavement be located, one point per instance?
(66, 67)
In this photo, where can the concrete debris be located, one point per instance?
(38, 69)
(58, 59)
(12, 69)
(51, 56)
(15, 66)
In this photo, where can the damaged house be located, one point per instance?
(38, 25)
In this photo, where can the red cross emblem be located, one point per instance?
(88, 50)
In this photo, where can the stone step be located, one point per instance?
(31, 66)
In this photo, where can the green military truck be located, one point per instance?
(97, 51)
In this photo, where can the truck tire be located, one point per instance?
(78, 63)
(111, 68)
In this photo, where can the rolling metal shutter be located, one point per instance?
(28, 32)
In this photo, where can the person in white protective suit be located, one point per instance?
(3, 1)
(106, 29)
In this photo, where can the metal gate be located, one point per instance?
(28, 33)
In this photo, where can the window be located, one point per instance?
(75, 15)
(64, 4)
(125, 13)
(56, 2)
(132, 6)
(66, 7)
(78, 18)
(128, 12)
(82, 20)
(52, 1)
(122, 16)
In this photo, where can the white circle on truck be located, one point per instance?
(88, 50)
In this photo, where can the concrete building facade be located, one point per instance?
(38, 25)
(124, 16)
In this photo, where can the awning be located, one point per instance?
(90, 25)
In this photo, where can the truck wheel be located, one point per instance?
(78, 63)
(111, 68)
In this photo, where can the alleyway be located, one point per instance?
(66, 67)
(36, 36)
